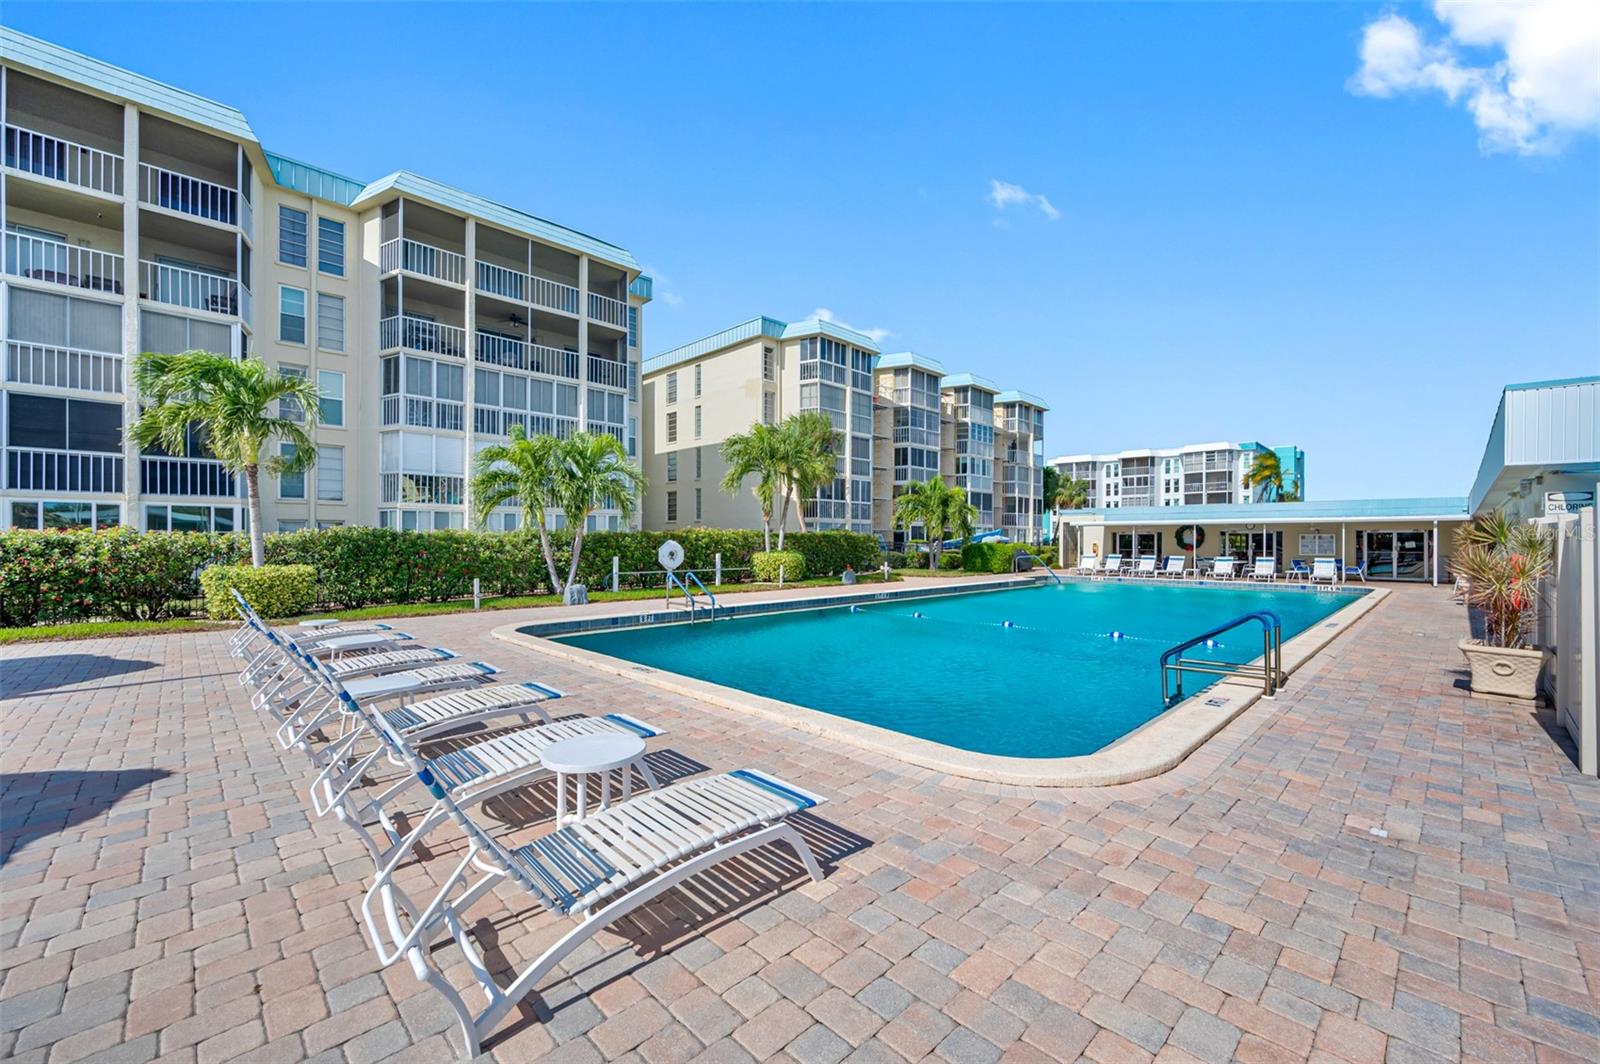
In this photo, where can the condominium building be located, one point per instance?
(968, 454)
(1198, 474)
(695, 396)
(1019, 465)
(908, 430)
(140, 217)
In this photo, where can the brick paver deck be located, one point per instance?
(165, 894)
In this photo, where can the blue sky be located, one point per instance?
(1237, 245)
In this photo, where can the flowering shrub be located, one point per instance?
(271, 590)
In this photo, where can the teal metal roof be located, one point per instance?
(1022, 397)
(1539, 427)
(406, 183)
(903, 359)
(31, 53)
(748, 330)
(1560, 383)
(970, 380)
(313, 180)
(1452, 508)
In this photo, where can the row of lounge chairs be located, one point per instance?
(396, 740)
(1320, 571)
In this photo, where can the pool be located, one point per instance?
(1039, 672)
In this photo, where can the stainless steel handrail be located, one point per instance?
(1270, 670)
(1043, 564)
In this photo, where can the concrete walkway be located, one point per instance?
(164, 893)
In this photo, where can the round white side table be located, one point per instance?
(585, 755)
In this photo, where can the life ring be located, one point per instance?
(1183, 533)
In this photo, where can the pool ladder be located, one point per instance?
(690, 599)
(1042, 564)
(1270, 669)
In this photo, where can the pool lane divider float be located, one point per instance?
(1114, 636)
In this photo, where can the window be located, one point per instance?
(330, 392)
(291, 526)
(290, 485)
(672, 506)
(767, 368)
(697, 369)
(189, 518)
(330, 246)
(291, 314)
(330, 322)
(697, 422)
(699, 455)
(672, 427)
(633, 327)
(672, 387)
(289, 408)
(291, 236)
(768, 403)
(672, 467)
(38, 422)
(697, 500)
(330, 473)
(1314, 544)
(33, 514)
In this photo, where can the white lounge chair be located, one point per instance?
(1222, 569)
(1265, 569)
(1088, 565)
(1324, 571)
(594, 871)
(1113, 565)
(1176, 567)
(1145, 567)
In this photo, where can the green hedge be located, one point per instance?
(272, 590)
(769, 565)
(990, 557)
(62, 576)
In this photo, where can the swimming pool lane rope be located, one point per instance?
(1114, 636)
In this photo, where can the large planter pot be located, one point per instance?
(1509, 672)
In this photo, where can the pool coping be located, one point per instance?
(1159, 745)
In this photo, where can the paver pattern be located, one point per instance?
(166, 894)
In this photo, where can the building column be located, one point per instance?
(1436, 554)
(469, 376)
(130, 309)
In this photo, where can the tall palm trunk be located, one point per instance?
(783, 519)
(549, 556)
(252, 490)
(800, 510)
(577, 552)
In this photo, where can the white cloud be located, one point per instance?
(672, 299)
(1528, 73)
(875, 335)
(663, 287)
(1003, 194)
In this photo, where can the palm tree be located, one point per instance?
(758, 453)
(238, 406)
(809, 440)
(1265, 475)
(589, 468)
(941, 511)
(520, 471)
(1070, 494)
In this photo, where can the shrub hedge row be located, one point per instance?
(272, 590)
(991, 557)
(63, 576)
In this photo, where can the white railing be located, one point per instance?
(420, 334)
(438, 489)
(194, 196)
(608, 310)
(39, 469)
(422, 412)
(608, 372)
(247, 217)
(61, 263)
(63, 160)
(535, 358)
(183, 287)
(493, 421)
(413, 256)
(247, 309)
(502, 281)
(165, 475)
(63, 367)
(553, 295)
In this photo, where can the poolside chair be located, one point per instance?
(1265, 569)
(1358, 571)
(1145, 567)
(1298, 570)
(1089, 565)
(595, 871)
(1176, 567)
(1222, 568)
(1324, 570)
(1113, 565)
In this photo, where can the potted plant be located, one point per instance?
(1502, 562)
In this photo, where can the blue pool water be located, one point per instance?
(1054, 683)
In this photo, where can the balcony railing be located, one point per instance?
(438, 489)
(63, 160)
(493, 421)
(61, 263)
(183, 287)
(165, 475)
(422, 412)
(608, 310)
(527, 288)
(63, 367)
(535, 358)
(39, 469)
(420, 334)
(194, 196)
(608, 372)
(413, 256)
